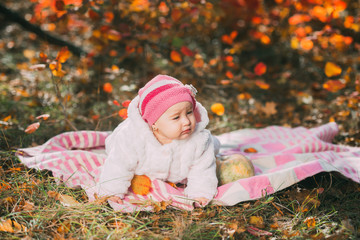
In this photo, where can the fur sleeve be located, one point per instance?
(119, 166)
(202, 180)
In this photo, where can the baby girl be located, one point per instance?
(164, 137)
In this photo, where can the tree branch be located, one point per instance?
(15, 17)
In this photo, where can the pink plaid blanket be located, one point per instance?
(283, 157)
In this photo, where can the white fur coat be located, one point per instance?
(133, 149)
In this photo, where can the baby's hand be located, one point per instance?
(202, 201)
(116, 199)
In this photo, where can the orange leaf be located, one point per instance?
(310, 222)
(299, 18)
(244, 96)
(260, 69)
(43, 56)
(113, 35)
(250, 150)
(229, 74)
(320, 13)
(141, 184)
(265, 39)
(175, 56)
(32, 128)
(333, 85)
(198, 63)
(63, 55)
(7, 118)
(109, 16)
(331, 69)
(6, 226)
(123, 113)
(163, 8)
(108, 87)
(218, 109)
(175, 14)
(261, 84)
(306, 44)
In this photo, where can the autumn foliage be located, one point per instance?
(248, 51)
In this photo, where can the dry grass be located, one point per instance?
(322, 207)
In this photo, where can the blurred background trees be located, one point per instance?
(266, 62)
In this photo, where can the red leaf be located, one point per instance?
(260, 69)
(186, 51)
(125, 103)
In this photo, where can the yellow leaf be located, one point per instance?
(67, 201)
(218, 109)
(257, 221)
(6, 226)
(331, 69)
(29, 54)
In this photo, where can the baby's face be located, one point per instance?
(176, 123)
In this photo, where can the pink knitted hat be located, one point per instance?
(160, 93)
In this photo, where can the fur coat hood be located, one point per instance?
(133, 149)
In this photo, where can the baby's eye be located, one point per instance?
(190, 112)
(176, 118)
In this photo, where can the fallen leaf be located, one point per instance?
(11, 226)
(67, 201)
(250, 150)
(32, 128)
(123, 113)
(158, 206)
(6, 226)
(175, 56)
(28, 206)
(310, 222)
(218, 109)
(331, 69)
(126, 103)
(260, 69)
(306, 44)
(334, 85)
(269, 109)
(257, 221)
(108, 88)
(261, 84)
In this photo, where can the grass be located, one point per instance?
(322, 207)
